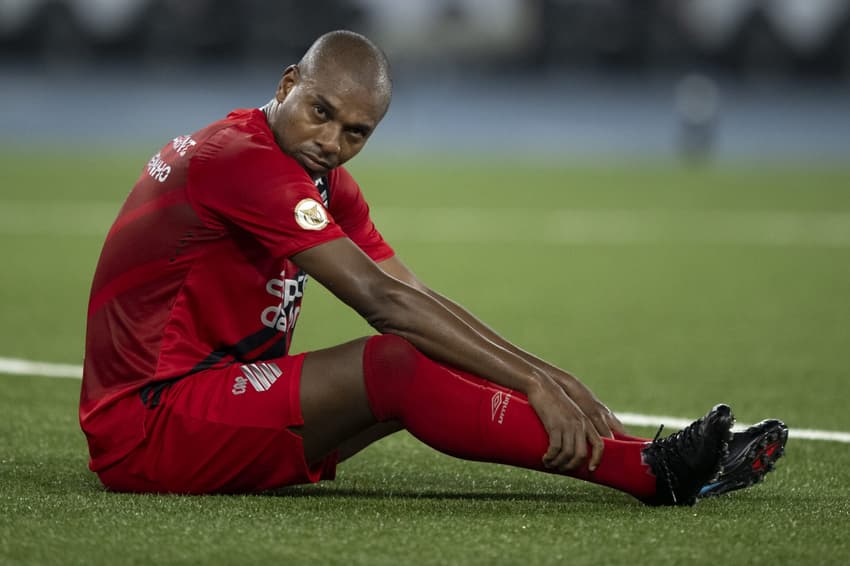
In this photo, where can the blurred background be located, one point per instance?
(724, 79)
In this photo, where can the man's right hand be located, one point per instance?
(570, 430)
(603, 419)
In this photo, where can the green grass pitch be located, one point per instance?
(666, 288)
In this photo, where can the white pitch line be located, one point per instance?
(635, 419)
(17, 366)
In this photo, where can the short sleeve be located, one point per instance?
(351, 212)
(243, 179)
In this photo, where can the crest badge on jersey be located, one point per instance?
(310, 214)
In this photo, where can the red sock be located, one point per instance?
(471, 418)
(630, 438)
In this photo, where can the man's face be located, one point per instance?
(323, 121)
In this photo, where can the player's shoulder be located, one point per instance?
(243, 138)
(247, 122)
(342, 182)
(241, 130)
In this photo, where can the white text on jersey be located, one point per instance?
(284, 315)
(181, 144)
(158, 169)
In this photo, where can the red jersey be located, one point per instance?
(195, 273)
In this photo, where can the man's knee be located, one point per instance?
(389, 366)
(391, 356)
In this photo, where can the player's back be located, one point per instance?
(145, 259)
(162, 262)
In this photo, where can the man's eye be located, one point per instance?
(320, 111)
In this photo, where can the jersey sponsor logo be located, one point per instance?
(310, 215)
(260, 375)
(182, 144)
(283, 315)
(498, 405)
(158, 169)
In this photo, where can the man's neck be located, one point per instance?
(267, 109)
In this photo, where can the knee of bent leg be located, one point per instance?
(390, 356)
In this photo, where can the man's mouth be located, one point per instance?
(314, 164)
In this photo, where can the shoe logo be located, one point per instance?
(261, 376)
(498, 405)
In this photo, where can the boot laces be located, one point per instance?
(671, 448)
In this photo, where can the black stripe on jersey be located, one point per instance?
(152, 392)
(324, 190)
(238, 350)
(277, 350)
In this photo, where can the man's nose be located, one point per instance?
(328, 139)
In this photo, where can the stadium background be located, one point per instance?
(653, 193)
(593, 77)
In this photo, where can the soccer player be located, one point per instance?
(189, 386)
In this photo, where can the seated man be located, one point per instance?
(189, 386)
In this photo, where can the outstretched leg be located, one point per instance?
(346, 391)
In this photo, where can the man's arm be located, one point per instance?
(392, 306)
(601, 416)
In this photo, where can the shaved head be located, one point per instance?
(350, 58)
(327, 106)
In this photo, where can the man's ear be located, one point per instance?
(290, 78)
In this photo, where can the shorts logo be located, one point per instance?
(261, 376)
(499, 404)
(310, 215)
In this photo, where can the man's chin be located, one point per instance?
(312, 167)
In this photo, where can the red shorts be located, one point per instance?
(224, 431)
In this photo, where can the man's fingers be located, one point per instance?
(554, 448)
(567, 450)
(600, 422)
(579, 454)
(597, 447)
(615, 424)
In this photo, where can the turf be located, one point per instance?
(751, 314)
